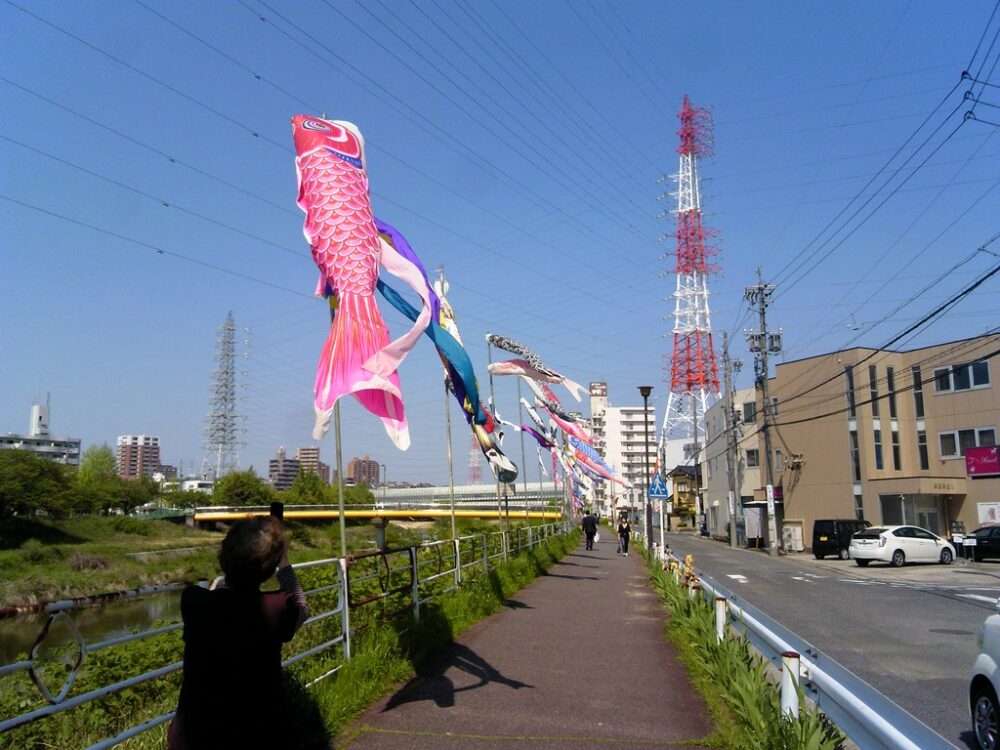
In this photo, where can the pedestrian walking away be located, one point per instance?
(589, 524)
(624, 532)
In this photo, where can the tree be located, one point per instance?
(30, 484)
(242, 488)
(97, 464)
(309, 489)
(359, 494)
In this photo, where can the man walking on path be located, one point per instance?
(589, 524)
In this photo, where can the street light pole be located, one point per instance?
(644, 391)
(385, 479)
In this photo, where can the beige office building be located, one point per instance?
(882, 435)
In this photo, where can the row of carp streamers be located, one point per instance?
(350, 247)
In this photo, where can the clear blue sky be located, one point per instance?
(519, 144)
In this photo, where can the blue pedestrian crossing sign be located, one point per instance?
(658, 488)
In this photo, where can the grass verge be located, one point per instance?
(733, 679)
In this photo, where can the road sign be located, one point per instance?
(658, 488)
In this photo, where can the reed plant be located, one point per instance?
(734, 680)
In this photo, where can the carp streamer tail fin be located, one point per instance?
(357, 333)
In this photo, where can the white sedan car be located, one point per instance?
(898, 545)
(983, 705)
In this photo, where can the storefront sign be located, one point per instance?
(982, 462)
(989, 513)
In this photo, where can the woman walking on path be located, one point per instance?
(624, 532)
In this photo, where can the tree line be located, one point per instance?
(31, 485)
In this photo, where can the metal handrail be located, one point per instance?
(490, 547)
(865, 715)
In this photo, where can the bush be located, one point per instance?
(81, 562)
(33, 551)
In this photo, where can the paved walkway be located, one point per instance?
(578, 659)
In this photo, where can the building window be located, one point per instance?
(778, 465)
(874, 391)
(879, 464)
(922, 449)
(918, 393)
(753, 458)
(955, 442)
(750, 412)
(962, 377)
(895, 450)
(774, 406)
(890, 385)
(855, 456)
(859, 508)
(851, 406)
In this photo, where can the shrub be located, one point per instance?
(33, 551)
(81, 562)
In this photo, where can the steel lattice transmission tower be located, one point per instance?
(221, 423)
(694, 376)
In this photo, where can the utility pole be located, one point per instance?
(761, 344)
(732, 460)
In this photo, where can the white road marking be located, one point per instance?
(800, 578)
(813, 575)
(737, 577)
(990, 599)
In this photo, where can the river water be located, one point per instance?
(96, 624)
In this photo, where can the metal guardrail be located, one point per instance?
(866, 716)
(427, 571)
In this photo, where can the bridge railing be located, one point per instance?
(368, 586)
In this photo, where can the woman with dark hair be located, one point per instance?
(231, 695)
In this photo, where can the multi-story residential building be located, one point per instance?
(38, 440)
(282, 470)
(628, 436)
(308, 459)
(598, 428)
(137, 456)
(745, 463)
(894, 437)
(363, 471)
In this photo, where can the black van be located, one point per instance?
(833, 536)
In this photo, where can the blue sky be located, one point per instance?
(518, 144)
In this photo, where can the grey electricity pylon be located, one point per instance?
(221, 423)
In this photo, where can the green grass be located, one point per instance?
(733, 679)
(385, 652)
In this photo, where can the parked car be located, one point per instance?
(987, 542)
(983, 706)
(898, 545)
(832, 536)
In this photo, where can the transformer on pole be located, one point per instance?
(694, 377)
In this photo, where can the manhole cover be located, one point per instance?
(951, 631)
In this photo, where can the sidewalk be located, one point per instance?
(578, 659)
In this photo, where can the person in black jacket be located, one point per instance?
(232, 694)
(589, 524)
(624, 533)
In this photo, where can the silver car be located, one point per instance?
(898, 545)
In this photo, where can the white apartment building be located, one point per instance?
(38, 440)
(746, 465)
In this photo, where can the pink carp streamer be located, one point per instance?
(358, 357)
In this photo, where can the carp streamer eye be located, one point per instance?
(316, 125)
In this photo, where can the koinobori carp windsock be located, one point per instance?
(358, 357)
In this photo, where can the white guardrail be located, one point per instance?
(418, 574)
(866, 716)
